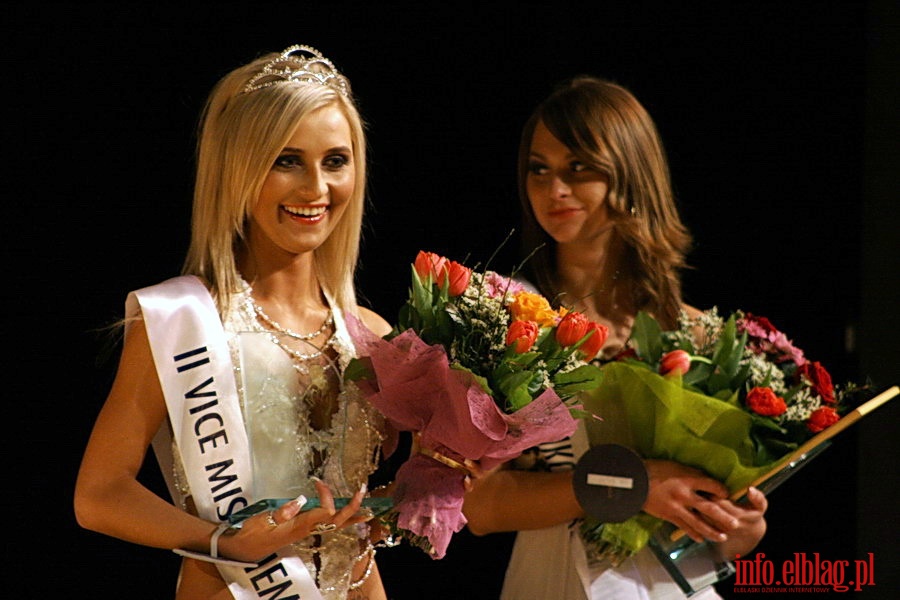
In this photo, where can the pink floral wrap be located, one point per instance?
(417, 390)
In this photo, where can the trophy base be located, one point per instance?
(693, 566)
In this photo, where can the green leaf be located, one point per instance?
(646, 336)
(359, 369)
(481, 381)
(585, 377)
(519, 398)
(729, 349)
(508, 384)
(580, 413)
(698, 374)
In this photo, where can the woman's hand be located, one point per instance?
(690, 500)
(264, 533)
(751, 523)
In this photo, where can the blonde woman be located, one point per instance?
(278, 206)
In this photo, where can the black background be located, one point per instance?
(779, 120)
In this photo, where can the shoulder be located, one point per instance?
(692, 311)
(375, 322)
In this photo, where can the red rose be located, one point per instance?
(458, 276)
(571, 328)
(594, 343)
(522, 334)
(819, 378)
(676, 360)
(763, 401)
(429, 264)
(821, 419)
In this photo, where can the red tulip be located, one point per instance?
(429, 264)
(571, 328)
(523, 334)
(676, 360)
(458, 276)
(594, 343)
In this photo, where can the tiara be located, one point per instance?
(301, 65)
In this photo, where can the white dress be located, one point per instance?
(278, 394)
(552, 564)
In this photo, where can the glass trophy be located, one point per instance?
(694, 565)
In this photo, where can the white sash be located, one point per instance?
(196, 372)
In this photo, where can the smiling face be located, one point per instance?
(567, 195)
(307, 188)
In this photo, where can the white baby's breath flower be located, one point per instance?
(763, 372)
(802, 405)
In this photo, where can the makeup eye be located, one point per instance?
(287, 161)
(337, 161)
(536, 168)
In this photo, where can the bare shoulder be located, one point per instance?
(692, 311)
(375, 322)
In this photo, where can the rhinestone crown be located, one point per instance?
(300, 65)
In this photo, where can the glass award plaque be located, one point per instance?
(694, 565)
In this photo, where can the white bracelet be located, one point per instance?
(214, 538)
(213, 555)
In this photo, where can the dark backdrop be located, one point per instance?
(779, 120)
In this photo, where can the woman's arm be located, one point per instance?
(511, 500)
(110, 499)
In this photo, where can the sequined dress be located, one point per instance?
(281, 398)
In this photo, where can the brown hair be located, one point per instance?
(606, 127)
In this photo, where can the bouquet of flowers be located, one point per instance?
(730, 396)
(480, 369)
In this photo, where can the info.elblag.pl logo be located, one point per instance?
(803, 574)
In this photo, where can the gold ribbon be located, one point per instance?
(468, 466)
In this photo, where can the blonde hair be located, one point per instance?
(240, 136)
(606, 127)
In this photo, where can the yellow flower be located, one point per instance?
(533, 307)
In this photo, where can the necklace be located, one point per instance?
(329, 319)
(300, 356)
(303, 337)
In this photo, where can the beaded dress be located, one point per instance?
(302, 422)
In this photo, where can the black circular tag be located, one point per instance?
(610, 483)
